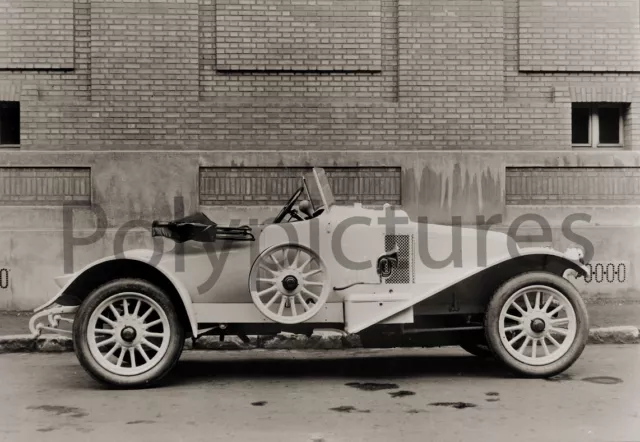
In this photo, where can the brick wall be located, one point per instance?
(289, 35)
(300, 85)
(144, 52)
(264, 186)
(438, 75)
(45, 186)
(579, 35)
(146, 74)
(36, 34)
(569, 186)
(40, 83)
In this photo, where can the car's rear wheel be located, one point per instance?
(127, 333)
(537, 324)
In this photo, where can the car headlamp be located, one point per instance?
(575, 253)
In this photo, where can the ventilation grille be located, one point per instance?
(403, 274)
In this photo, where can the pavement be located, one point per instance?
(346, 395)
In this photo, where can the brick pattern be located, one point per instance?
(367, 185)
(36, 34)
(579, 35)
(300, 86)
(602, 94)
(257, 186)
(144, 51)
(567, 186)
(298, 35)
(9, 91)
(52, 85)
(45, 186)
(449, 79)
(539, 102)
(445, 43)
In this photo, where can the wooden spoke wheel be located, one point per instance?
(289, 283)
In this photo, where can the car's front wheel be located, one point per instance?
(537, 324)
(127, 333)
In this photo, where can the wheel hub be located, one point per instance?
(290, 283)
(128, 334)
(538, 325)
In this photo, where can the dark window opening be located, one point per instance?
(609, 120)
(580, 125)
(9, 122)
(598, 124)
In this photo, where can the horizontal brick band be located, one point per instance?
(9, 91)
(601, 94)
(573, 185)
(45, 185)
(257, 186)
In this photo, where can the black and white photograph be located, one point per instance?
(320, 220)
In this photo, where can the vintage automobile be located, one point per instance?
(322, 266)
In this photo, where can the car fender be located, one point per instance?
(141, 255)
(565, 259)
(572, 258)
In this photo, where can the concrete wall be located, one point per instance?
(467, 98)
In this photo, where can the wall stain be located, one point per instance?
(453, 185)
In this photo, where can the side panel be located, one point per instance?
(419, 292)
(230, 313)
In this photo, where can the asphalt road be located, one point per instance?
(360, 395)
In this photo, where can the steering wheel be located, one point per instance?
(288, 207)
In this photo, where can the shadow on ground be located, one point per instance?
(205, 369)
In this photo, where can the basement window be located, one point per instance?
(597, 125)
(9, 123)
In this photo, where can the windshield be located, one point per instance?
(318, 189)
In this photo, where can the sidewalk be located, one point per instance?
(601, 314)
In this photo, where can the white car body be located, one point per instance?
(367, 298)
(369, 271)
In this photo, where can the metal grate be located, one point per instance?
(403, 273)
